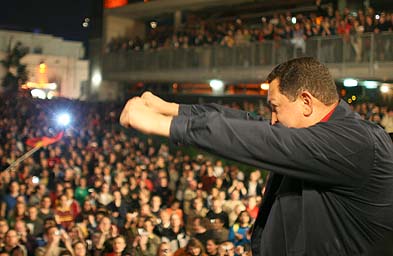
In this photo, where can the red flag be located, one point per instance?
(44, 141)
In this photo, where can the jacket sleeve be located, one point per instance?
(326, 152)
(197, 109)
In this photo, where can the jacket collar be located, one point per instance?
(343, 110)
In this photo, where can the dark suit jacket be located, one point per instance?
(331, 188)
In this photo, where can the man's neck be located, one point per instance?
(322, 113)
(328, 111)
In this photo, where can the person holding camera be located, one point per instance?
(226, 248)
(146, 243)
(54, 237)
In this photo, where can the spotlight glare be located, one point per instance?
(370, 84)
(350, 82)
(38, 93)
(64, 119)
(97, 78)
(50, 95)
(216, 84)
(265, 86)
(384, 88)
(52, 86)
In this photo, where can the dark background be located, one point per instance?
(62, 18)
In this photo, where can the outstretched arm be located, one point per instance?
(163, 107)
(316, 153)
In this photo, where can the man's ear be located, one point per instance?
(307, 103)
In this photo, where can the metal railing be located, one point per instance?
(355, 49)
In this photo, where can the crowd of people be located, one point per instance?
(102, 190)
(286, 27)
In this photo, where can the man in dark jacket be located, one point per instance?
(331, 186)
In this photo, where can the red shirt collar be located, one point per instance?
(327, 117)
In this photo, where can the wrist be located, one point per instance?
(163, 125)
(173, 109)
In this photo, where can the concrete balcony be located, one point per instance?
(366, 56)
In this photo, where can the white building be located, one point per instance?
(51, 60)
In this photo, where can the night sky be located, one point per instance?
(62, 18)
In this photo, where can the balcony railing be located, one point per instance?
(355, 49)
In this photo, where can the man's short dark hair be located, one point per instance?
(305, 74)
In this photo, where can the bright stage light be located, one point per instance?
(371, 84)
(216, 84)
(97, 78)
(350, 82)
(64, 119)
(38, 93)
(384, 88)
(265, 86)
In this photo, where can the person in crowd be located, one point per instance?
(197, 210)
(57, 192)
(216, 212)
(156, 206)
(9, 200)
(79, 248)
(129, 230)
(212, 247)
(53, 237)
(40, 191)
(18, 213)
(226, 249)
(74, 204)
(105, 234)
(12, 244)
(4, 227)
(104, 197)
(176, 234)
(164, 223)
(164, 249)
(81, 191)
(253, 185)
(252, 207)
(233, 215)
(239, 232)
(146, 242)
(76, 233)
(119, 247)
(232, 203)
(25, 238)
(188, 195)
(201, 230)
(118, 208)
(302, 149)
(34, 222)
(193, 248)
(63, 213)
(164, 191)
(220, 232)
(176, 209)
(46, 211)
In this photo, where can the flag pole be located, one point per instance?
(44, 142)
(23, 157)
